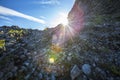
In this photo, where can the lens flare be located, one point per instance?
(51, 60)
(61, 18)
(65, 21)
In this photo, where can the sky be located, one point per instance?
(34, 14)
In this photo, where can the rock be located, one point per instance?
(84, 78)
(96, 59)
(27, 77)
(1, 75)
(100, 73)
(9, 75)
(86, 68)
(23, 68)
(75, 72)
(110, 78)
(35, 53)
(17, 60)
(40, 76)
(23, 57)
(53, 76)
(70, 54)
(69, 58)
(14, 70)
(94, 65)
(26, 63)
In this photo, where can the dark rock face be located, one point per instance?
(88, 49)
(97, 7)
(98, 42)
(98, 12)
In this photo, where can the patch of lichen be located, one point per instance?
(2, 44)
(18, 33)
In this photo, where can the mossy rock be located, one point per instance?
(115, 70)
(2, 44)
(16, 32)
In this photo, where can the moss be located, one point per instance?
(1, 32)
(104, 49)
(6, 59)
(53, 54)
(67, 65)
(115, 70)
(16, 32)
(2, 44)
(98, 19)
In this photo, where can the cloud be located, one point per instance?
(10, 12)
(8, 22)
(48, 2)
(5, 18)
(43, 17)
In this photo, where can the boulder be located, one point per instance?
(86, 68)
(75, 72)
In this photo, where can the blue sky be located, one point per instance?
(35, 14)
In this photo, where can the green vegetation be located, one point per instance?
(98, 19)
(52, 54)
(1, 32)
(115, 70)
(112, 68)
(16, 32)
(6, 59)
(46, 29)
(2, 44)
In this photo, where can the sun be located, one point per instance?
(61, 18)
(64, 21)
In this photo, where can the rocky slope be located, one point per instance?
(86, 49)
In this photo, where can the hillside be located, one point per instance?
(86, 49)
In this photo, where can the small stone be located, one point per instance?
(40, 76)
(94, 65)
(86, 68)
(69, 54)
(69, 58)
(26, 63)
(75, 72)
(9, 74)
(85, 78)
(35, 53)
(27, 77)
(23, 68)
(23, 57)
(29, 57)
(14, 69)
(100, 72)
(1, 75)
(110, 78)
(96, 59)
(53, 76)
